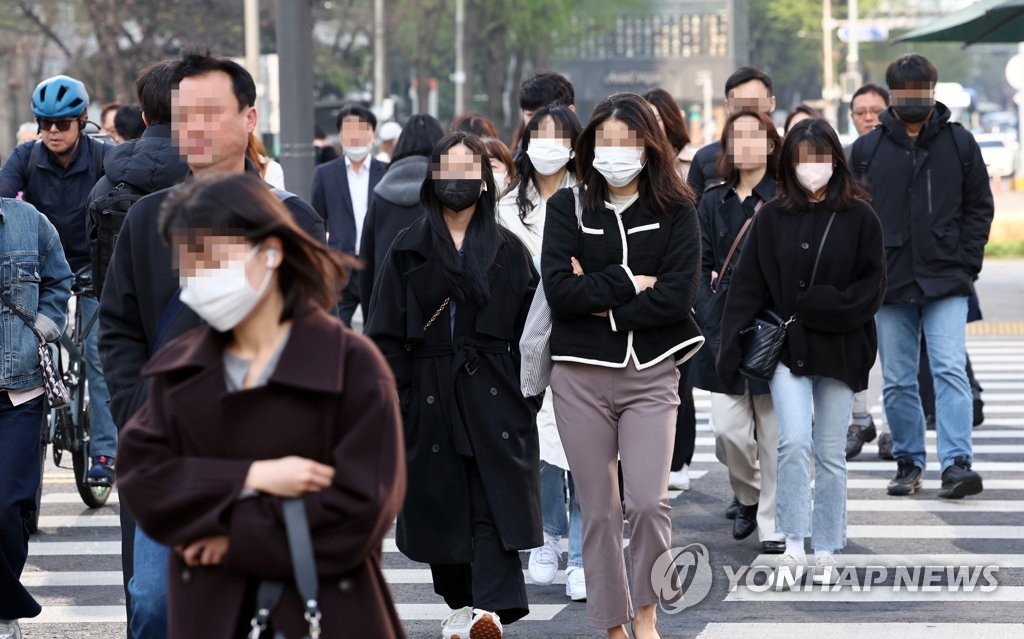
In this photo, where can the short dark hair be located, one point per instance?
(671, 117)
(911, 69)
(195, 62)
(870, 88)
(356, 110)
(545, 88)
(419, 136)
(241, 204)
(726, 167)
(479, 125)
(318, 133)
(842, 188)
(661, 186)
(746, 74)
(128, 122)
(153, 88)
(800, 108)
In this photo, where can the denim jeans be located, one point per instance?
(813, 413)
(19, 478)
(554, 482)
(102, 431)
(899, 340)
(148, 588)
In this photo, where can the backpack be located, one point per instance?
(106, 215)
(36, 154)
(862, 161)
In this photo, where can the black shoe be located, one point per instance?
(885, 446)
(979, 412)
(908, 478)
(734, 507)
(857, 436)
(959, 481)
(745, 522)
(773, 547)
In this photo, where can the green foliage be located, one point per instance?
(1014, 248)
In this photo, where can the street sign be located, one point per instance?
(865, 33)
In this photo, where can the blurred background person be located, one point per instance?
(387, 136)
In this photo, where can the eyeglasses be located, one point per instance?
(45, 124)
(861, 113)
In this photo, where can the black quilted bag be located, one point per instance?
(761, 343)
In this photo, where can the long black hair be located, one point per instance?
(466, 276)
(565, 123)
(819, 135)
(661, 187)
(418, 137)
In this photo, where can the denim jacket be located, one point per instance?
(35, 276)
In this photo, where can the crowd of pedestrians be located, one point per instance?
(536, 316)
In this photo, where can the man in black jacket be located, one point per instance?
(931, 191)
(747, 89)
(212, 103)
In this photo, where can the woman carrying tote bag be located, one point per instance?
(819, 223)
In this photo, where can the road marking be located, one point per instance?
(74, 498)
(935, 484)
(903, 630)
(903, 531)
(896, 504)
(880, 593)
(893, 561)
(79, 521)
(980, 466)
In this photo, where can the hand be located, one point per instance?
(577, 268)
(289, 476)
(601, 314)
(644, 282)
(209, 551)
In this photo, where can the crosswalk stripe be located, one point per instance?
(935, 505)
(78, 614)
(935, 484)
(903, 531)
(903, 630)
(437, 612)
(65, 548)
(79, 521)
(980, 466)
(893, 561)
(73, 498)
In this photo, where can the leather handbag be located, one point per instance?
(761, 343)
(300, 546)
(57, 394)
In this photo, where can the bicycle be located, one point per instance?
(66, 428)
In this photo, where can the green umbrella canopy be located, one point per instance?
(983, 21)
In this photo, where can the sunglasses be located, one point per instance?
(45, 124)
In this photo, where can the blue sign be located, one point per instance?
(865, 33)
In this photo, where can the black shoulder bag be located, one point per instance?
(761, 342)
(57, 394)
(300, 545)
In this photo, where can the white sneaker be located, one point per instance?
(10, 629)
(679, 479)
(825, 570)
(789, 570)
(575, 584)
(470, 623)
(544, 562)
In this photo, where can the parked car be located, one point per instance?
(999, 153)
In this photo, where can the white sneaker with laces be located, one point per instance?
(544, 561)
(679, 479)
(457, 625)
(575, 584)
(10, 629)
(825, 570)
(789, 570)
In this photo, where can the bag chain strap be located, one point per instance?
(437, 313)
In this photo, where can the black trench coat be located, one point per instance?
(456, 388)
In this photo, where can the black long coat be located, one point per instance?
(456, 387)
(184, 456)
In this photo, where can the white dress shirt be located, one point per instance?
(359, 189)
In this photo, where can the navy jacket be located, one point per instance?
(704, 169)
(933, 197)
(61, 194)
(332, 200)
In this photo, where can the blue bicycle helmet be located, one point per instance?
(59, 97)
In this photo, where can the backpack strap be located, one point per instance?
(963, 149)
(98, 152)
(34, 156)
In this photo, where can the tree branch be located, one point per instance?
(47, 31)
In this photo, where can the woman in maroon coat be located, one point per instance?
(260, 406)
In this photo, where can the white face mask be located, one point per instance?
(222, 297)
(548, 155)
(618, 164)
(813, 175)
(356, 153)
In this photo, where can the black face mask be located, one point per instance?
(457, 195)
(914, 110)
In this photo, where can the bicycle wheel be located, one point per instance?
(93, 496)
(33, 515)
